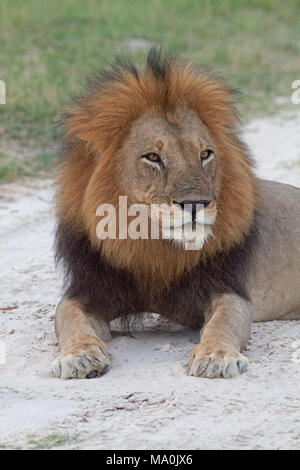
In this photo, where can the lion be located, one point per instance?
(168, 134)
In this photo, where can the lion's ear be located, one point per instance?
(211, 98)
(102, 118)
(82, 128)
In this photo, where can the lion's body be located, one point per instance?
(274, 275)
(248, 267)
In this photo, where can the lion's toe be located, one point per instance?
(85, 365)
(217, 364)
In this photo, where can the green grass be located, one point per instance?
(48, 48)
(40, 163)
(49, 442)
(9, 447)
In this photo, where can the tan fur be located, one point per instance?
(227, 330)
(81, 342)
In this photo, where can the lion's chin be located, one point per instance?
(189, 237)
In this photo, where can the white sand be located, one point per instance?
(146, 401)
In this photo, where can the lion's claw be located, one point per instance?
(226, 364)
(81, 366)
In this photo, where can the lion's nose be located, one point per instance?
(195, 205)
(203, 202)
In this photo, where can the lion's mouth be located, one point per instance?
(186, 220)
(185, 227)
(190, 235)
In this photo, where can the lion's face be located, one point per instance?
(171, 161)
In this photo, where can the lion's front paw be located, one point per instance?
(82, 363)
(213, 363)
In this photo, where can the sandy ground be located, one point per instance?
(146, 401)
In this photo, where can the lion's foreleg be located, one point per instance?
(226, 332)
(81, 336)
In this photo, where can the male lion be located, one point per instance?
(168, 135)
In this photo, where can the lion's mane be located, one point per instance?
(129, 276)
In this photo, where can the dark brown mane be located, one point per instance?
(115, 293)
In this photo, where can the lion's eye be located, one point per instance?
(153, 157)
(206, 155)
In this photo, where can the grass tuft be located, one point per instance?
(49, 442)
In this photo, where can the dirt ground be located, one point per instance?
(146, 401)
